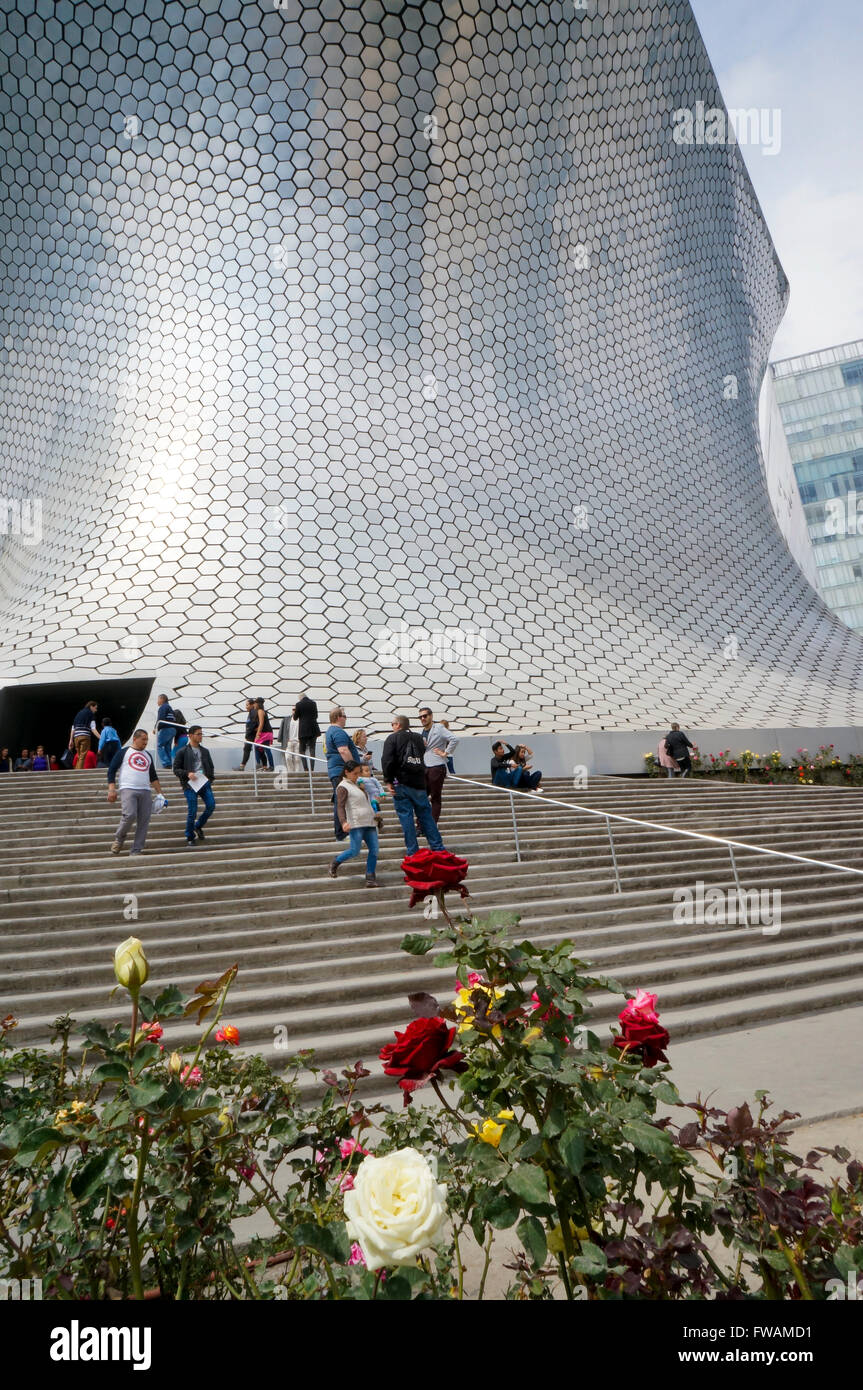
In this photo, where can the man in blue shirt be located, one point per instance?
(164, 731)
(340, 749)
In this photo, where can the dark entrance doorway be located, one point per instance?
(32, 714)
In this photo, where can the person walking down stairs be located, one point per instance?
(194, 767)
(403, 764)
(252, 722)
(357, 819)
(132, 770)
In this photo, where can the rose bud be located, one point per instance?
(175, 1064)
(130, 965)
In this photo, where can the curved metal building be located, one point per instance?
(392, 351)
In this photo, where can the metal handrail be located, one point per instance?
(607, 816)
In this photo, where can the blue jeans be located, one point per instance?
(164, 746)
(206, 794)
(359, 834)
(337, 825)
(517, 777)
(410, 802)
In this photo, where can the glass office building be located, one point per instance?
(820, 400)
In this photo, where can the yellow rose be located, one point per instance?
(491, 1133)
(531, 1036)
(466, 1012)
(130, 965)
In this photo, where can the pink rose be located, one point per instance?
(191, 1076)
(357, 1256)
(351, 1146)
(347, 1183)
(643, 1006)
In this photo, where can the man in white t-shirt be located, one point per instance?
(132, 770)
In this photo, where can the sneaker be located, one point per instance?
(334, 868)
(238, 768)
(371, 881)
(115, 848)
(199, 832)
(190, 844)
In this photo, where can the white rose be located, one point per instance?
(396, 1208)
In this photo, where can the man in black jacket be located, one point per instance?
(308, 732)
(678, 746)
(403, 763)
(194, 767)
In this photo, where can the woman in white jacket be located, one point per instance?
(357, 819)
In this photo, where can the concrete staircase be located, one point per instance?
(321, 958)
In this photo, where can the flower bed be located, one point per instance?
(122, 1178)
(824, 768)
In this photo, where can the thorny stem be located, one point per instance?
(132, 1217)
(485, 1266)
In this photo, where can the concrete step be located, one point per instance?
(321, 957)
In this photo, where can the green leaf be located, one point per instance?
(109, 1071)
(330, 1241)
(591, 1260)
(848, 1259)
(665, 1091)
(486, 1161)
(554, 1123)
(528, 1182)
(91, 1177)
(774, 1259)
(417, 945)
(285, 1129)
(531, 1146)
(146, 1092)
(532, 1237)
(96, 1033)
(61, 1222)
(571, 1147)
(38, 1144)
(186, 1239)
(396, 1289)
(647, 1139)
(501, 1210)
(170, 1003)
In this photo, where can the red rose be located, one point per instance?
(640, 1029)
(434, 871)
(420, 1052)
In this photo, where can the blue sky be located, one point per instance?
(804, 57)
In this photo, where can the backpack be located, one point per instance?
(411, 755)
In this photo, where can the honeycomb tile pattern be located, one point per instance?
(322, 321)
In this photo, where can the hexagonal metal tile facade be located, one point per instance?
(325, 326)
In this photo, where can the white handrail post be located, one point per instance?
(617, 887)
(311, 783)
(255, 768)
(515, 828)
(734, 867)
